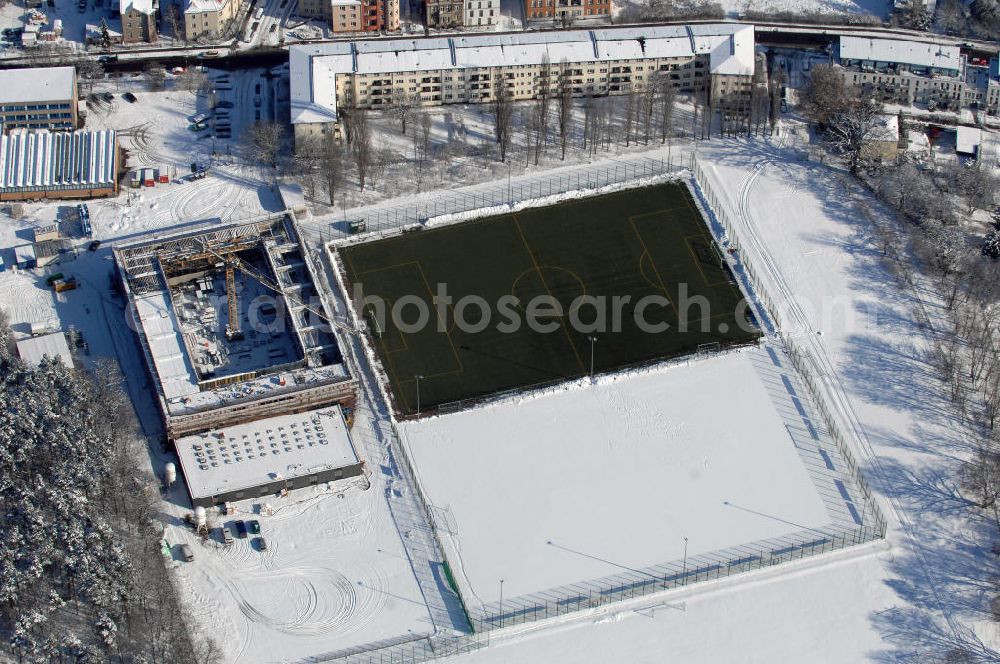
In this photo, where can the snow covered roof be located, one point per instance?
(921, 54)
(887, 129)
(24, 253)
(313, 80)
(315, 67)
(37, 84)
(244, 456)
(967, 139)
(166, 347)
(57, 160)
(196, 6)
(33, 349)
(141, 6)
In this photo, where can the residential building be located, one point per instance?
(345, 15)
(380, 15)
(38, 98)
(42, 164)
(342, 15)
(443, 13)
(464, 69)
(481, 12)
(140, 19)
(905, 72)
(208, 17)
(565, 10)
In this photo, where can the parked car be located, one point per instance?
(108, 97)
(130, 98)
(107, 58)
(187, 553)
(241, 529)
(94, 246)
(227, 536)
(255, 526)
(260, 543)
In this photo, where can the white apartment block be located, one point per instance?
(329, 77)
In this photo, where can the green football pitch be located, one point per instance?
(608, 280)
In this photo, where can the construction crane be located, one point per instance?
(233, 261)
(233, 331)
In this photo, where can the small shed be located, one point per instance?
(967, 140)
(49, 232)
(24, 256)
(884, 136)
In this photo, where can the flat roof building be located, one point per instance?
(38, 98)
(33, 349)
(44, 164)
(917, 57)
(267, 456)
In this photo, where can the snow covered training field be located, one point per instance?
(589, 482)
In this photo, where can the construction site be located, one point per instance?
(232, 326)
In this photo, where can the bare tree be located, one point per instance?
(827, 95)
(852, 132)
(331, 165)
(362, 146)
(758, 101)
(503, 109)
(542, 104)
(631, 100)
(192, 80)
(978, 184)
(263, 141)
(402, 104)
(777, 85)
(306, 162)
(565, 106)
(666, 95)
(89, 70)
(156, 75)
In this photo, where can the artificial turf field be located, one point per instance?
(636, 243)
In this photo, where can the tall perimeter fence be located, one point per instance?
(508, 192)
(803, 359)
(697, 569)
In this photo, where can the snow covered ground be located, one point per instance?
(334, 576)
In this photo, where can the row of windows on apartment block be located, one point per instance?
(907, 81)
(473, 78)
(552, 3)
(37, 116)
(484, 95)
(10, 108)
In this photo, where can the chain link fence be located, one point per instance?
(802, 358)
(389, 217)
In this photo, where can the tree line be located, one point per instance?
(82, 578)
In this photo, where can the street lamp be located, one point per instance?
(684, 574)
(510, 190)
(501, 603)
(418, 377)
(593, 340)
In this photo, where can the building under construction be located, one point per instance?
(231, 325)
